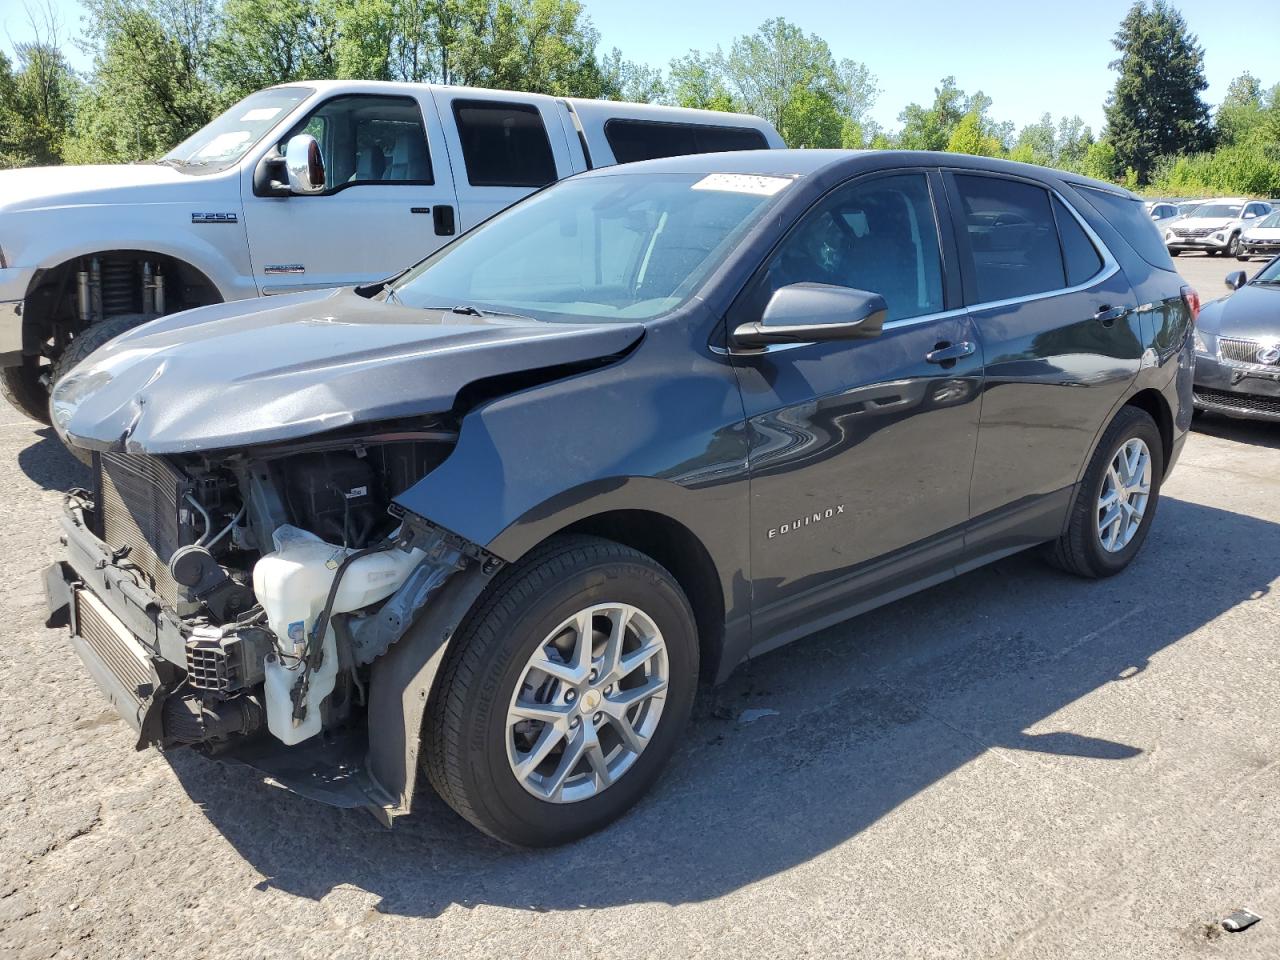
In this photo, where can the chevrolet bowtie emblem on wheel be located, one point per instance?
(818, 516)
(1269, 354)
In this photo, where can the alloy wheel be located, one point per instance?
(588, 703)
(1126, 490)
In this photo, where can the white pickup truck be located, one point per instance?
(304, 185)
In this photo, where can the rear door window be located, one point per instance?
(632, 140)
(1012, 237)
(504, 144)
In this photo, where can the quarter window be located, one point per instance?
(504, 144)
(1078, 252)
(632, 140)
(878, 235)
(370, 139)
(1012, 238)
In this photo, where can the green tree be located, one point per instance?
(1156, 108)
(695, 80)
(627, 80)
(36, 105)
(930, 128)
(969, 137)
(791, 79)
(263, 42)
(149, 88)
(1241, 115)
(1100, 161)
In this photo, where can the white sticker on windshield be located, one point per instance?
(260, 113)
(224, 144)
(742, 183)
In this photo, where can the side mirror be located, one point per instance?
(813, 312)
(304, 164)
(1236, 280)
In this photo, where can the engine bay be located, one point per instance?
(268, 568)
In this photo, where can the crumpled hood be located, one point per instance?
(33, 188)
(250, 372)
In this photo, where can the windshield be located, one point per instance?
(614, 247)
(1271, 220)
(1217, 211)
(224, 140)
(1270, 273)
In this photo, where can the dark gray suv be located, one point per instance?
(498, 515)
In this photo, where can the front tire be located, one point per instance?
(564, 693)
(1234, 247)
(1117, 499)
(25, 391)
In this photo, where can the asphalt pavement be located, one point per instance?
(1017, 764)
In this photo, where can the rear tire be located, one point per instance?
(1083, 549)
(21, 386)
(481, 762)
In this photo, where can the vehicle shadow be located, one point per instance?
(48, 463)
(1259, 433)
(869, 713)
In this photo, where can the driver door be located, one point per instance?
(860, 451)
(388, 200)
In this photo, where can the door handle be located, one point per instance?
(442, 215)
(948, 353)
(1107, 315)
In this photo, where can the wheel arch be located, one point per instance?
(196, 276)
(1152, 401)
(683, 554)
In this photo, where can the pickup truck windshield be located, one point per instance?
(616, 247)
(224, 140)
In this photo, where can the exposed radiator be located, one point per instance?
(141, 508)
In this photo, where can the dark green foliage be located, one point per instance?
(1156, 109)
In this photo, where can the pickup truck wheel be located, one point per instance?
(21, 386)
(80, 347)
(1117, 499)
(564, 694)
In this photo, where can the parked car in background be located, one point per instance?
(300, 186)
(1262, 239)
(1238, 348)
(495, 516)
(1215, 226)
(1163, 213)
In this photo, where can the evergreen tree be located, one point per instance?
(1156, 108)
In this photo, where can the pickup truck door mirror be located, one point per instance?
(1236, 280)
(813, 312)
(304, 164)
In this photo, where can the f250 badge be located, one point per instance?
(818, 516)
(214, 218)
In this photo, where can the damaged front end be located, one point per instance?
(240, 603)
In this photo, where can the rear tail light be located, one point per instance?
(1192, 300)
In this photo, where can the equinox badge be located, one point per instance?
(810, 518)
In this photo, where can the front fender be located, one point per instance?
(220, 251)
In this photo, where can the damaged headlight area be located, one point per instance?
(239, 598)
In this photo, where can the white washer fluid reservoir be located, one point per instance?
(292, 584)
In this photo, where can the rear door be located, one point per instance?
(387, 182)
(1063, 341)
(503, 148)
(861, 451)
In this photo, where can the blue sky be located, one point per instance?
(1028, 57)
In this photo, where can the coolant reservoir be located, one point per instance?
(292, 584)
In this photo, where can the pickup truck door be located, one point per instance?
(503, 147)
(388, 199)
